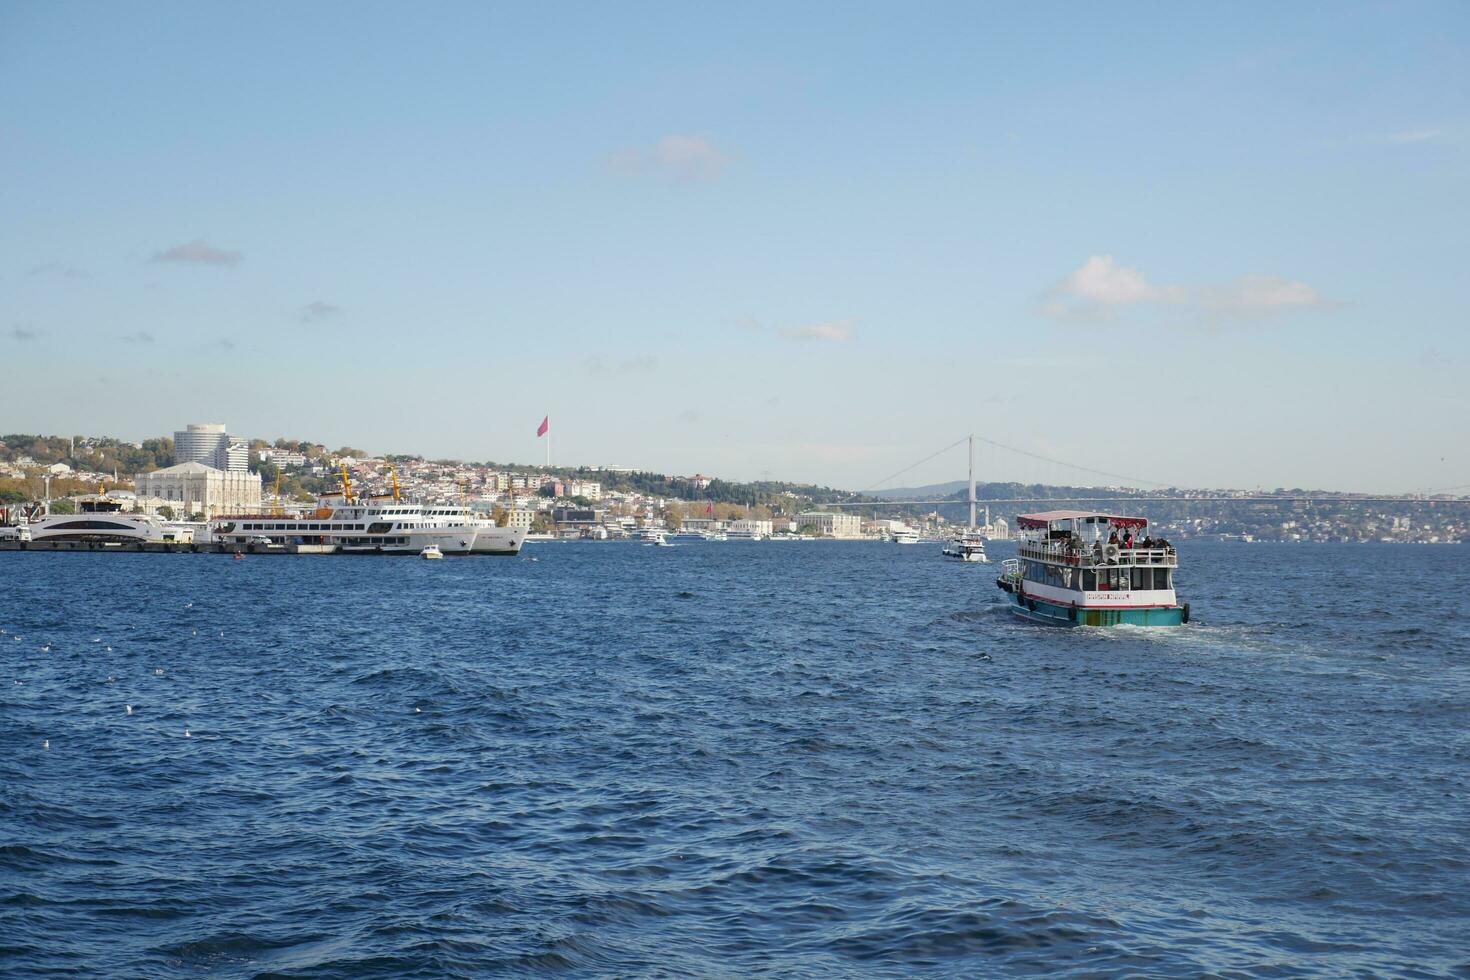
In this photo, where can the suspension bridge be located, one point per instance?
(1160, 492)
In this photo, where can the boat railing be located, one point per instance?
(1088, 558)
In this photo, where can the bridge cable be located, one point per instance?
(919, 463)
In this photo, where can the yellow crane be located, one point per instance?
(346, 485)
(393, 475)
(276, 496)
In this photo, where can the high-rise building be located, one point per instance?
(233, 458)
(210, 444)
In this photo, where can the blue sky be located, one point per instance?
(1210, 245)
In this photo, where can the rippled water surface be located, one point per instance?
(717, 759)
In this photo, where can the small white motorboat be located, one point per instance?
(431, 552)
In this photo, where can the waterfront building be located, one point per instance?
(747, 528)
(577, 516)
(194, 488)
(520, 517)
(830, 524)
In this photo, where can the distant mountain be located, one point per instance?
(933, 491)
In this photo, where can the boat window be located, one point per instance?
(1142, 578)
(1161, 578)
(1089, 580)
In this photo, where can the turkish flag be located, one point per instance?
(709, 508)
(544, 428)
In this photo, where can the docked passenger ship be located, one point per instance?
(376, 524)
(1073, 569)
(101, 521)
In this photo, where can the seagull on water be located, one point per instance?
(129, 708)
(186, 734)
(45, 743)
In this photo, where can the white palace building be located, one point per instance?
(193, 488)
(210, 476)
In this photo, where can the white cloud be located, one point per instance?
(597, 364)
(198, 252)
(1102, 280)
(833, 331)
(1259, 295)
(318, 310)
(677, 157)
(60, 270)
(1101, 287)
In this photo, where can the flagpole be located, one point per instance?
(548, 440)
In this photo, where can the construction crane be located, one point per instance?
(346, 485)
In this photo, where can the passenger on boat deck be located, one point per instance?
(1113, 538)
(1097, 551)
(1128, 539)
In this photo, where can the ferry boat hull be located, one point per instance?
(1052, 614)
(492, 540)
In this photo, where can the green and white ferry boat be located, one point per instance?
(1079, 568)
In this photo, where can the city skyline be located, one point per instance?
(703, 244)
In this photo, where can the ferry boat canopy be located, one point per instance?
(1044, 520)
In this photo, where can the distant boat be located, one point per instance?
(432, 552)
(905, 536)
(969, 547)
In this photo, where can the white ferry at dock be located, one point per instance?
(377, 524)
(97, 522)
(1080, 568)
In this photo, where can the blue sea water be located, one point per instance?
(729, 759)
